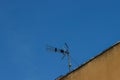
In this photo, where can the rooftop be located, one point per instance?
(62, 77)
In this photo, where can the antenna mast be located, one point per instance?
(69, 64)
(64, 51)
(68, 56)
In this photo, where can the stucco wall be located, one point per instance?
(103, 67)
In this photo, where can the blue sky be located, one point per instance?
(27, 26)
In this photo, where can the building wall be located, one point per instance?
(104, 67)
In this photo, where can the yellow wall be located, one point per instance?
(103, 67)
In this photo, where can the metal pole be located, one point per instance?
(69, 64)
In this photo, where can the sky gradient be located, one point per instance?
(28, 26)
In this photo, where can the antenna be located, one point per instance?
(64, 51)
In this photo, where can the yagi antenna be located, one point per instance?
(64, 51)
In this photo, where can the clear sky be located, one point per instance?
(27, 26)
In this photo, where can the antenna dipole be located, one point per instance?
(65, 52)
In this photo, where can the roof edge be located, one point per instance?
(99, 54)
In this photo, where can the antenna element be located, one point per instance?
(64, 51)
